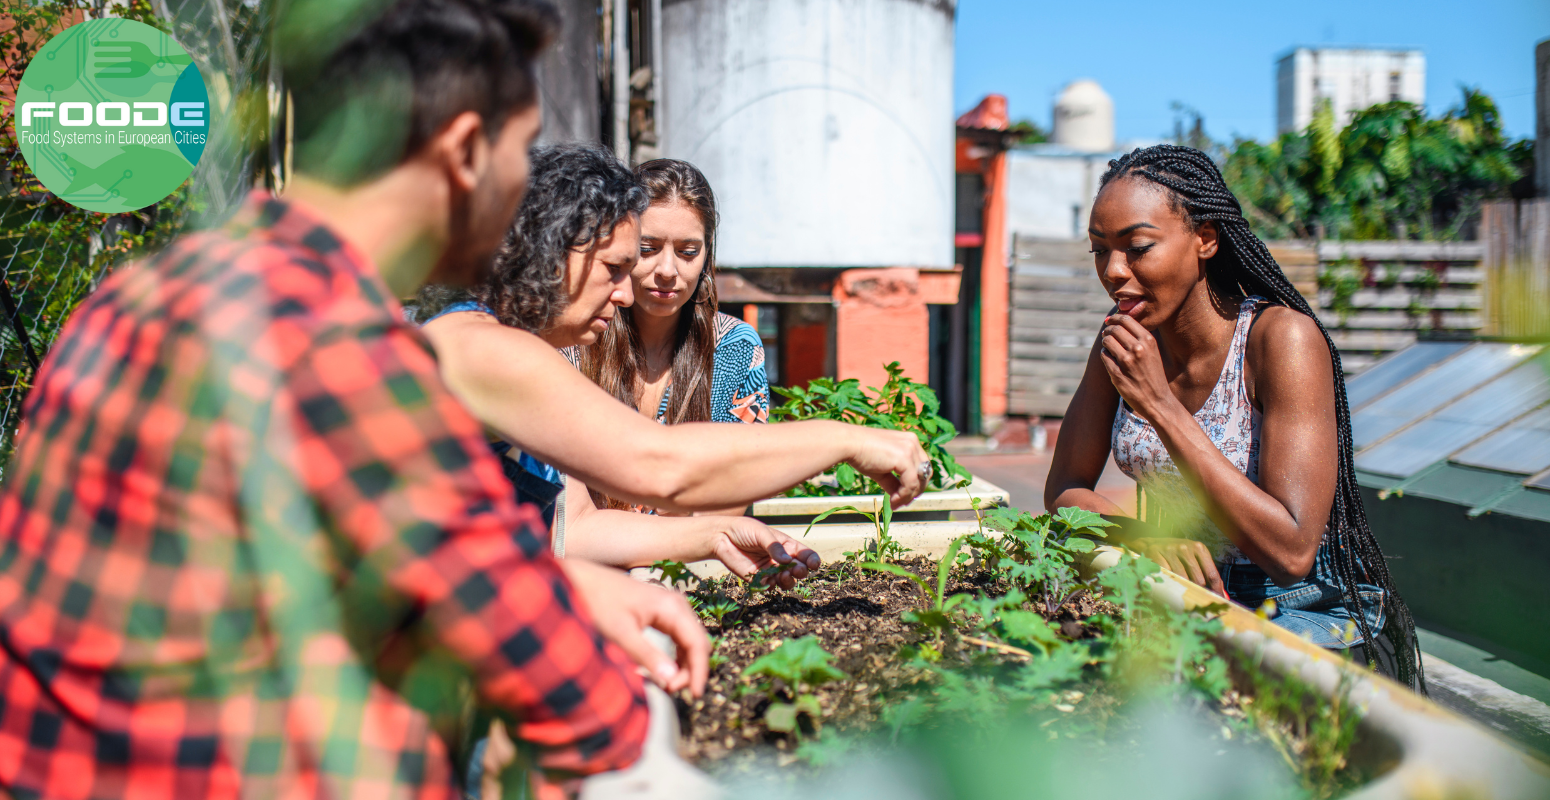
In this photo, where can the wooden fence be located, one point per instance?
(1375, 297)
(1516, 235)
(1058, 306)
(1378, 297)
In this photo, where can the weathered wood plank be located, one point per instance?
(1402, 251)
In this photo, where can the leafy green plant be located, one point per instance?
(1038, 554)
(1311, 732)
(1391, 172)
(719, 609)
(901, 404)
(802, 665)
(1343, 279)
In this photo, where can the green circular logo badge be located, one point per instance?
(112, 115)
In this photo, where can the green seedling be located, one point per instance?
(802, 665)
(901, 404)
(939, 605)
(882, 548)
(676, 574)
(719, 609)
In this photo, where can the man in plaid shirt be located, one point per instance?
(250, 546)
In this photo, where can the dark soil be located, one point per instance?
(855, 616)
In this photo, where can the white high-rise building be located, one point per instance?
(1350, 78)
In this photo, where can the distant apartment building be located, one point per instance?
(1350, 78)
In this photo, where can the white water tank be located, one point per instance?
(825, 127)
(1084, 118)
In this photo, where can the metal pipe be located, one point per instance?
(658, 117)
(621, 65)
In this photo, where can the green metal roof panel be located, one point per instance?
(1455, 426)
(1465, 486)
(1433, 389)
(1373, 480)
(1525, 502)
(1391, 372)
(1522, 447)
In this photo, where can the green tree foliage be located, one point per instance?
(1028, 132)
(1391, 170)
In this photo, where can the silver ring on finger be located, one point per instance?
(924, 468)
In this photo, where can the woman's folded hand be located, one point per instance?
(1185, 557)
(746, 545)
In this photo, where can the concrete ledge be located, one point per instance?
(1435, 752)
(950, 500)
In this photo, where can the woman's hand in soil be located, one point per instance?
(622, 608)
(893, 459)
(1135, 367)
(1185, 557)
(747, 545)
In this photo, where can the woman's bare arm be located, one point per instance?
(626, 539)
(1082, 449)
(526, 391)
(1278, 523)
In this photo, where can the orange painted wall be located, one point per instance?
(881, 317)
(995, 293)
(807, 348)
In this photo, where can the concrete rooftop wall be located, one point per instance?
(824, 126)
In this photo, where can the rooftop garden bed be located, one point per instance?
(887, 648)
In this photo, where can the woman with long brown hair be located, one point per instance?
(674, 357)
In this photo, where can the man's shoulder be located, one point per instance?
(217, 280)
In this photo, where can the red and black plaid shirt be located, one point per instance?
(251, 546)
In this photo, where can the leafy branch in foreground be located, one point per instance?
(901, 405)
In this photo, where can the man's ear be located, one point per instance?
(462, 150)
(1208, 239)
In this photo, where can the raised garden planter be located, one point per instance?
(1407, 746)
(928, 507)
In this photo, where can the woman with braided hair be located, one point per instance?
(1219, 391)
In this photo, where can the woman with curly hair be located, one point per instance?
(1218, 390)
(559, 281)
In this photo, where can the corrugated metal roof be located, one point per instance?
(1469, 424)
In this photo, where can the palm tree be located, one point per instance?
(1390, 173)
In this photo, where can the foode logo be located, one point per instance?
(112, 115)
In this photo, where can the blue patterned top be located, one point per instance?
(739, 385)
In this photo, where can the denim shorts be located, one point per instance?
(1310, 608)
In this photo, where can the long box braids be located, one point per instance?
(1244, 266)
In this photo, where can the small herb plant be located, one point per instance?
(901, 404)
(883, 548)
(938, 605)
(802, 665)
(1038, 554)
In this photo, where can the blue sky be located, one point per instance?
(1219, 56)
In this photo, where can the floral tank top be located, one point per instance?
(1233, 425)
